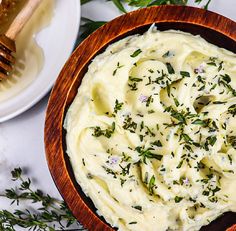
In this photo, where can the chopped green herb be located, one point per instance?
(151, 184)
(89, 176)
(230, 159)
(212, 61)
(185, 73)
(178, 199)
(229, 171)
(117, 67)
(226, 78)
(180, 164)
(148, 154)
(170, 68)
(133, 86)
(212, 140)
(211, 64)
(138, 207)
(232, 110)
(125, 170)
(133, 223)
(217, 189)
(232, 141)
(107, 132)
(220, 66)
(167, 54)
(157, 143)
(133, 79)
(176, 102)
(118, 106)
(129, 124)
(83, 161)
(218, 102)
(110, 171)
(186, 138)
(199, 122)
(136, 53)
(151, 111)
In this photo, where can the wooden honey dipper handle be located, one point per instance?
(22, 18)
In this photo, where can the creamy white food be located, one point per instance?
(151, 134)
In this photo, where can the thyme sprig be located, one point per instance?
(52, 213)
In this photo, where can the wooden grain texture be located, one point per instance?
(213, 27)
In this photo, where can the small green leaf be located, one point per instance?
(138, 207)
(151, 184)
(185, 74)
(178, 199)
(170, 68)
(199, 122)
(136, 53)
(134, 79)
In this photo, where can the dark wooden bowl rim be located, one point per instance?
(70, 77)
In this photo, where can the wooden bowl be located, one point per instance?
(211, 26)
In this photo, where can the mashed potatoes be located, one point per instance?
(151, 134)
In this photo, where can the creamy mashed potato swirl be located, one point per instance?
(151, 134)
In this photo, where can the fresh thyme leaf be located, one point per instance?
(133, 223)
(129, 124)
(212, 140)
(151, 184)
(157, 143)
(97, 131)
(133, 79)
(176, 102)
(149, 101)
(218, 102)
(125, 170)
(199, 122)
(226, 78)
(232, 110)
(232, 141)
(118, 66)
(136, 53)
(118, 106)
(110, 171)
(148, 154)
(185, 73)
(170, 68)
(167, 54)
(178, 199)
(180, 164)
(138, 207)
(186, 138)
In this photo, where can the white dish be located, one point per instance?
(57, 42)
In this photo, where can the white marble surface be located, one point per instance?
(21, 139)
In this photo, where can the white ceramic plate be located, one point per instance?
(57, 42)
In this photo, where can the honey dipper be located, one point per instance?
(7, 40)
